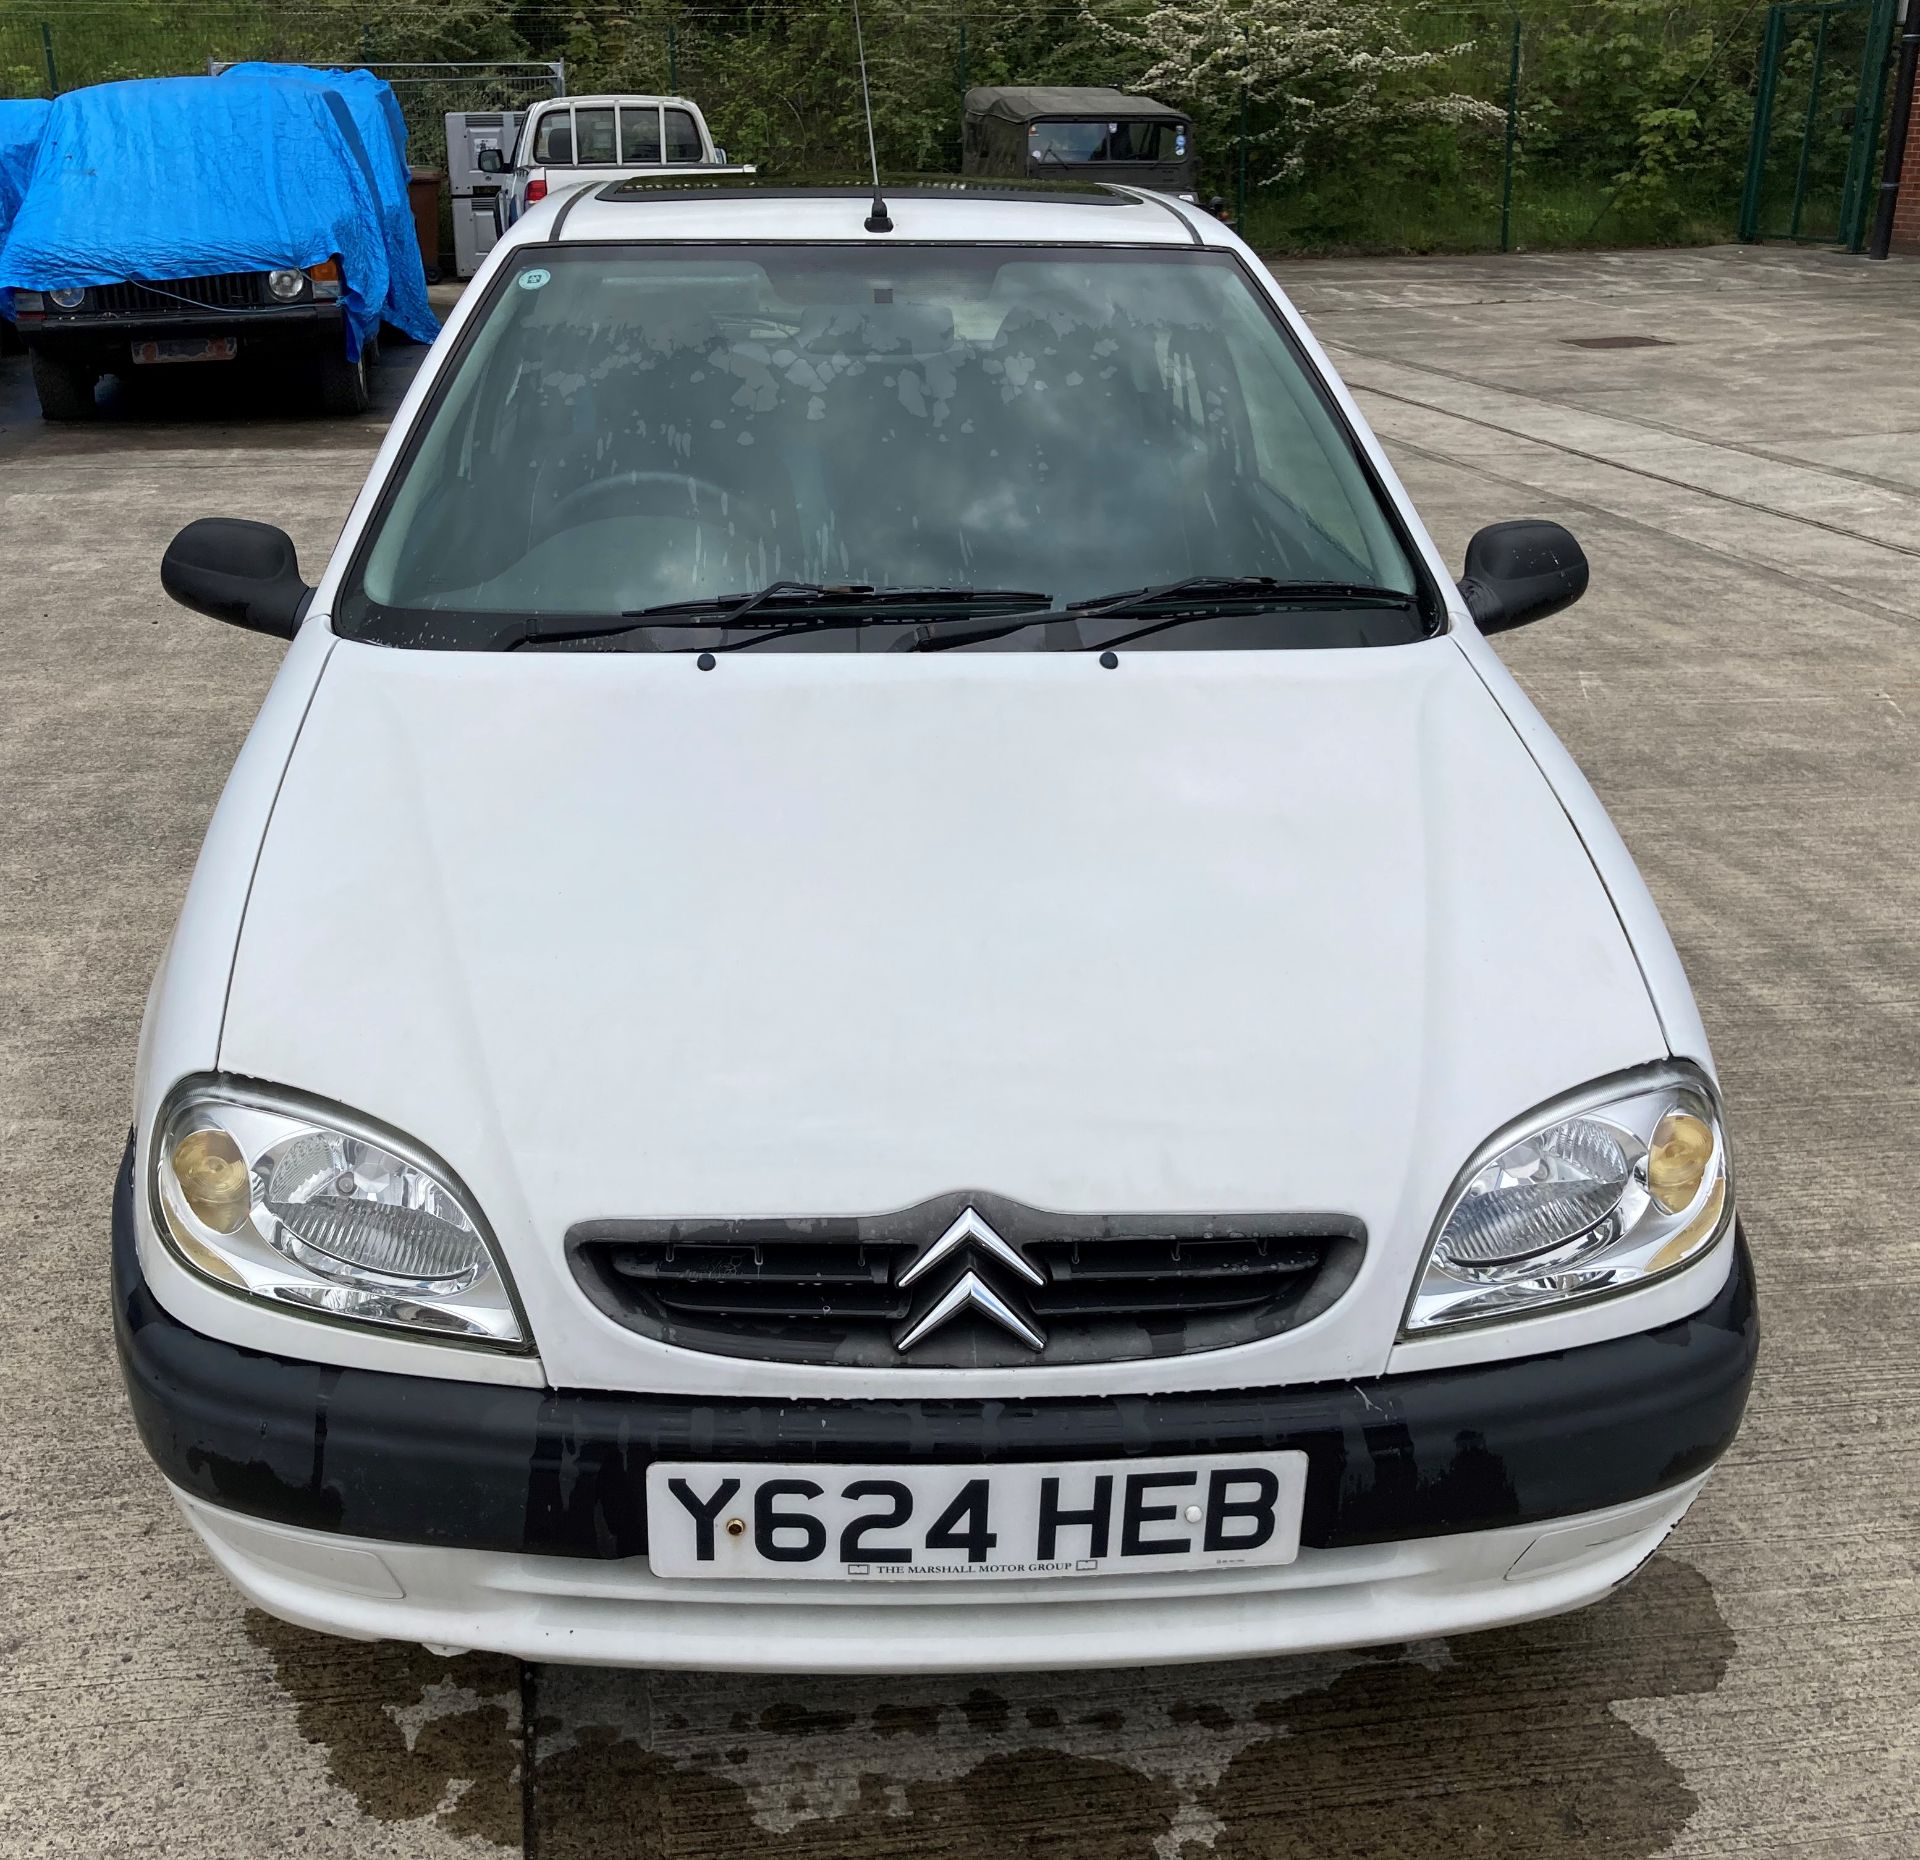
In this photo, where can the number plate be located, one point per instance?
(955, 1523)
(183, 349)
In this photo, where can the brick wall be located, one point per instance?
(1906, 213)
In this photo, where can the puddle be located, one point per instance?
(413, 1737)
(1510, 1748)
(1502, 1744)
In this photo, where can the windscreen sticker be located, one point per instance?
(532, 280)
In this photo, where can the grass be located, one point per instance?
(1549, 214)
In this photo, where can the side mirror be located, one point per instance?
(492, 162)
(719, 156)
(1521, 571)
(1217, 206)
(244, 573)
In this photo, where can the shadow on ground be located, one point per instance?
(1498, 1744)
(255, 407)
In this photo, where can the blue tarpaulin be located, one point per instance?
(21, 121)
(383, 133)
(163, 178)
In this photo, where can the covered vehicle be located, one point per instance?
(383, 135)
(22, 122)
(200, 220)
(22, 119)
(1034, 131)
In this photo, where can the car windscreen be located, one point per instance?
(630, 426)
(1106, 141)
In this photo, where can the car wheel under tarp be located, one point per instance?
(346, 387)
(65, 388)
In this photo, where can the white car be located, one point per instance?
(892, 984)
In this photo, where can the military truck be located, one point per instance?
(1032, 132)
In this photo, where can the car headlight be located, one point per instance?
(286, 285)
(68, 297)
(1595, 1194)
(307, 1206)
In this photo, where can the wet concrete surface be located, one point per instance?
(1457, 1748)
(1743, 686)
(1454, 1748)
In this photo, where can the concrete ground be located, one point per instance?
(1743, 685)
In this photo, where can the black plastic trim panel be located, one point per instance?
(562, 1472)
(278, 326)
(692, 186)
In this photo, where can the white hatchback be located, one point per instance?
(892, 984)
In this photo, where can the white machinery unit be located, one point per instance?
(476, 224)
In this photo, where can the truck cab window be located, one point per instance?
(553, 140)
(683, 137)
(640, 134)
(1112, 141)
(593, 138)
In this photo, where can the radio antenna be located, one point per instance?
(878, 220)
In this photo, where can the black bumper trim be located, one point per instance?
(267, 326)
(469, 1465)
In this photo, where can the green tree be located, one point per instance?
(1319, 78)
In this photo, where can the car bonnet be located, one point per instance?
(817, 934)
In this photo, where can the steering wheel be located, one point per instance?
(651, 494)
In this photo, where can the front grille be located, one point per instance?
(1144, 1278)
(1111, 1288)
(229, 290)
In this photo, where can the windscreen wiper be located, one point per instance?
(1195, 595)
(1191, 606)
(886, 607)
(845, 604)
(939, 636)
(1203, 591)
(718, 609)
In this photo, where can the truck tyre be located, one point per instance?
(65, 388)
(345, 387)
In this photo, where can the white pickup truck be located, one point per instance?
(575, 140)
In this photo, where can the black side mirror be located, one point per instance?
(1521, 571)
(241, 572)
(492, 162)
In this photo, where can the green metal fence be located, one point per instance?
(1591, 121)
(1818, 110)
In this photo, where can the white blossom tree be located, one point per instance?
(1311, 72)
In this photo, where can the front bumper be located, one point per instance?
(1598, 1449)
(621, 1614)
(106, 340)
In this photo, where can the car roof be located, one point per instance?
(1026, 103)
(984, 212)
(616, 96)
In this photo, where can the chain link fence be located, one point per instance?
(1618, 122)
(1535, 123)
(47, 49)
(427, 91)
